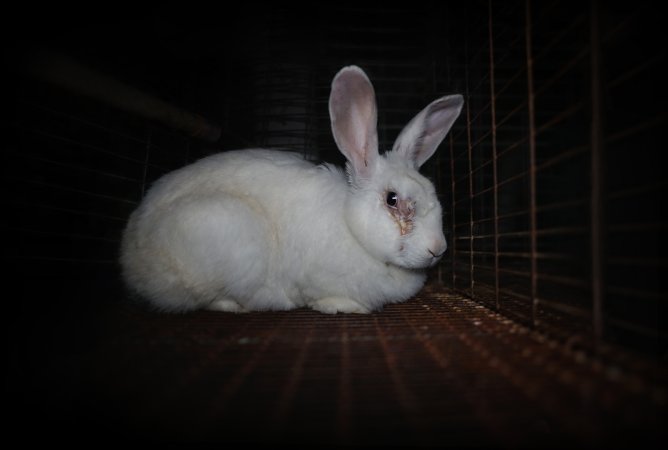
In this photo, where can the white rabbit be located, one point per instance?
(266, 230)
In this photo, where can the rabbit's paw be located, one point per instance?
(333, 305)
(226, 305)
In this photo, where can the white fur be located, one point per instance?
(265, 230)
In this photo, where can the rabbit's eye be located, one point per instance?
(392, 199)
(402, 211)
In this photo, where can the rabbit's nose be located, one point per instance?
(438, 248)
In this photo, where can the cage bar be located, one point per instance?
(532, 166)
(597, 203)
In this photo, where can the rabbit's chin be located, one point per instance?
(417, 264)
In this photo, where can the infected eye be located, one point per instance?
(392, 199)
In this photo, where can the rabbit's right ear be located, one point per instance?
(352, 110)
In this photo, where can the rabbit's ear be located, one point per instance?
(352, 110)
(420, 138)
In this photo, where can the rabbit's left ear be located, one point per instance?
(422, 136)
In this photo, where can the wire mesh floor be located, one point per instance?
(437, 370)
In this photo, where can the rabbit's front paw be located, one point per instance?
(333, 305)
(226, 305)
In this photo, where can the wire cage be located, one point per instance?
(550, 222)
(544, 324)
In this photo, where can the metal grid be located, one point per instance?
(541, 185)
(439, 370)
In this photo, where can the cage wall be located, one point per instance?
(554, 172)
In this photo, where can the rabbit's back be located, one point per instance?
(248, 172)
